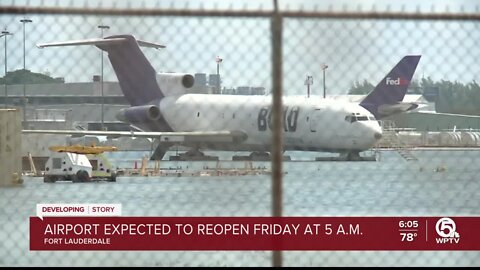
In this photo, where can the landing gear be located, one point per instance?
(254, 156)
(350, 156)
(192, 154)
(258, 156)
(160, 151)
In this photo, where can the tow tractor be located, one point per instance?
(79, 163)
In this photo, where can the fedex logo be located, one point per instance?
(397, 81)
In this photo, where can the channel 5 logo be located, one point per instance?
(447, 230)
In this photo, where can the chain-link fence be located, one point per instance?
(326, 52)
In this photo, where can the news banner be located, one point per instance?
(102, 227)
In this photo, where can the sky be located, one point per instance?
(354, 50)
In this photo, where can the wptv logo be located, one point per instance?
(446, 229)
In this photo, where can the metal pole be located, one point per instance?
(277, 140)
(6, 92)
(218, 60)
(308, 82)
(5, 78)
(324, 67)
(324, 91)
(5, 33)
(23, 21)
(103, 97)
(308, 90)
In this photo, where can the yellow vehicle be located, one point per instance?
(82, 149)
(79, 163)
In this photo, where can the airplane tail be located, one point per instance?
(386, 98)
(135, 74)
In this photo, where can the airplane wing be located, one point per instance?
(234, 136)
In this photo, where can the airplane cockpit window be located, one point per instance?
(350, 118)
(357, 117)
(362, 118)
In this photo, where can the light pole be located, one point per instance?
(308, 82)
(24, 21)
(101, 76)
(218, 60)
(324, 67)
(5, 33)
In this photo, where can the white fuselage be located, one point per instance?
(312, 124)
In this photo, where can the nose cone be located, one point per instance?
(377, 135)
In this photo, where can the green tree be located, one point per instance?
(458, 98)
(361, 88)
(24, 76)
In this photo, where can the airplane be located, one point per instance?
(162, 108)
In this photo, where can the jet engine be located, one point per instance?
(139, 114)
(172, 84)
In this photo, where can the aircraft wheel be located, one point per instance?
(49, 179)
(260, 154)
(353, 156)
(81, 176)
(113, 178)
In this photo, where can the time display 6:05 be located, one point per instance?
(408, 224)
